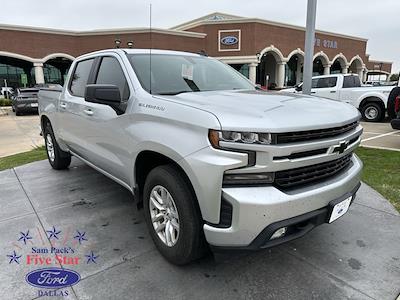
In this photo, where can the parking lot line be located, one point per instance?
(379, 136)
(379, 147)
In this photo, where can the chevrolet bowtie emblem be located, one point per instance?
(341, 148)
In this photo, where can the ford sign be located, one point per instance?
(51, 278)
(229, 40)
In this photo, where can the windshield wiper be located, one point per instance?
(173, 93)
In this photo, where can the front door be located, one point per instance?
(106, 139)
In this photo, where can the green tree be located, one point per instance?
(394, 77)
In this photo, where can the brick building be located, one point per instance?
(264, 51)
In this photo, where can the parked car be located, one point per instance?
(396, 107)
(25, 100)
(391, 100)
(213, 160)
(370, 100)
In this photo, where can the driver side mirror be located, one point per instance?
(107, 94)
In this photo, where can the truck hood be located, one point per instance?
(275, 112)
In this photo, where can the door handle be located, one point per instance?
(63, 105)
(332, 92)
(312, 92)
(89, 112)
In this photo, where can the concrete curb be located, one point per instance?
(5, 110)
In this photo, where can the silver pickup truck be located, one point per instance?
(215, 162)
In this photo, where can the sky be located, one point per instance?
(378, 21)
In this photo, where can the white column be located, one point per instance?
(360, 73)
(344, 70)
(252, 72)
(39, 75)
(280, 74)
(364, 78)
(327, 69)
(298, 71)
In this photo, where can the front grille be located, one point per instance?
(301, 176)
(302, 136)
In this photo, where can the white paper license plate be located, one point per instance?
(340, 209)
(34, 105)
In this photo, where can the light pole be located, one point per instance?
(309, 46)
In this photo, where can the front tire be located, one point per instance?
(58, 159)
(372, 112)
(172, 216)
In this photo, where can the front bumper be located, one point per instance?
(256, 209)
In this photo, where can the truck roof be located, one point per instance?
(138, 51)
(335, 75)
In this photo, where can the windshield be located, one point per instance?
(175, 74)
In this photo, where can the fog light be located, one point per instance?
(279, 233)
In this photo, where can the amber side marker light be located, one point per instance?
(213, 137)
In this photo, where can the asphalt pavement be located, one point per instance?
(356, 257)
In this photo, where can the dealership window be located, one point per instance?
(80, 77)
(242, 68)
(110, 72)
(52, 74)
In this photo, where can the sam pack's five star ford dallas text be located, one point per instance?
(215, 161)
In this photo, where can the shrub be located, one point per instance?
(5, 102)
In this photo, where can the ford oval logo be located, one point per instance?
(50, 278)
(229, 40)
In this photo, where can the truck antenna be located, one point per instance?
(151, 46)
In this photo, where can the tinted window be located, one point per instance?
(327, 82)
(110, 72)
(80, 77)
(351, 81)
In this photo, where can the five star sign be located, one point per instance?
(80, 237)
(53, 233)
(25, 237)
(14, 257)
(91, 257)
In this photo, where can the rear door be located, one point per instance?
(325, 87)
(71, 106)
(348, 93)
(108, 145)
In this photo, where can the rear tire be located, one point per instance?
(167, 198)
(372, 112)
(58, 159)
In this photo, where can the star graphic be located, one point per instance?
(14, 257)
(91, 257)
(80, 237)
(53, 233)
(24, 237)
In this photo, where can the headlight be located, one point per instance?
(248, 179)
(216, 137)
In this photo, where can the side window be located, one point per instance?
(327, 82)
(351, 81)
(314, 83)
(80, 77)
(110, 72)
(332, 82)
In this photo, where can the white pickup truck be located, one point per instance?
(370, 100)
